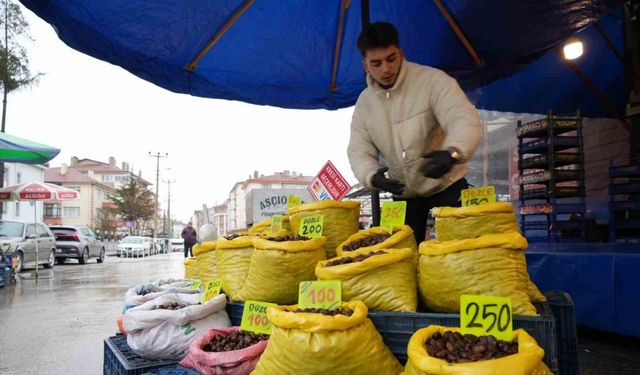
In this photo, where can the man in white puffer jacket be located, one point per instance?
(414, 121)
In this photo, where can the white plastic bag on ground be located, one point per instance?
(142, 293)
(172, 283)
(155, 333)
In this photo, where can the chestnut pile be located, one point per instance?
(340, 311)
(233, 236)
(355, 259)
(235, 340)
(454, 347)
(172, 306)
(367, 241)
(289, 237)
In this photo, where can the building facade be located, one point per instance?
(15, 174)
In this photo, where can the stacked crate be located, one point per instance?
(624, 203)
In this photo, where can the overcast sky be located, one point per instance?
(92, 109)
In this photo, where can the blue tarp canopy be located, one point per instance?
(302, 54)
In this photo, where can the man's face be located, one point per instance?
(383, 64)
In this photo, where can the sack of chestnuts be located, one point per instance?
(378, 238)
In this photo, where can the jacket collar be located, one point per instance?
(375, 86)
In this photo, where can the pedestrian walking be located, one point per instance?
(190, 238)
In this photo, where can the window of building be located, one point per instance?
(51, 210)
(6, 176)
(265, 186)
(4, 207)
(76, 188)
(71, 211)
(18, 178)
(17, 208)
(107, 178)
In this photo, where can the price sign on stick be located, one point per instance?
(195, 285)
(294, 200)
(276, 224)
(393, 214)
(311, 226)
(486, 315)
(477, 196)
(254, 317)
(325, 294)
(211, 290)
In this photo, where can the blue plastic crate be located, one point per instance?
(119, 359)
(5, 276)
(564, 311)
(234, 310)
(172, 370)
(397, 328)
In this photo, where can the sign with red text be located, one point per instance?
(328, 184)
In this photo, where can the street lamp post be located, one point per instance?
(157, 155)
(169, 182)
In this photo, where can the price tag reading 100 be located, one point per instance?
(211, 290)
(254, 317)
(311, 226)
(276, 224)
(486, 315)
(326, 294)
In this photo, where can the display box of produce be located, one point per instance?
(540, 127)
(544, 176)
(546, 208)
(558, 192)
(552, 225)
(119, 359)
(541, 145)
(563, 310)
(560, 159)
(172, 370)
(396, 329)
(632, 170)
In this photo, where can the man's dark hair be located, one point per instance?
(377, 35)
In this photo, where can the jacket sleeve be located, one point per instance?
(456, 115)
(362, 153)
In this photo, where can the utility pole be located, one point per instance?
(157, 155)
(169, 182)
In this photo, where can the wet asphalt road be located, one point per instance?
(57, 325)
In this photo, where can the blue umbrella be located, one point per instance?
(18, 150)
(302, 54)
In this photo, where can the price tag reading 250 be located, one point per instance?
(393, 214)
(326, 294)
(486, 315)
(311, 226)
(254, 317)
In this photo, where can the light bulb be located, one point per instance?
(572, 49)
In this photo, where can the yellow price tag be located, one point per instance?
(393, 214)
(311, 226)
(326, 294)
(478, 195)
(486, 315)
(195, 285)
(276, 224)
(211, 290)
(254, 317)
(294, 200)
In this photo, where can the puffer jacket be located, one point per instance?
(425, 110)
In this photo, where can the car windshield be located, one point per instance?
(11, 228)
(133, 240)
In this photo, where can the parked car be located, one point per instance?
(18, 239)
(161, 245)
(135, 246)
(177, 244)
(77, 242)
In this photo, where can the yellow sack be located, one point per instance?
(384, 282)
(205, 254)
(456, 223)
(341, 220)
(310, 344)
(232, 261)
(528, 360)
(264, 226)
(401, 238)
(190, 268)
(277, 268)
(493, 264)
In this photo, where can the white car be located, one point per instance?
(135, 246)
(177, 244)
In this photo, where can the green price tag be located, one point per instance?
(195, 285)
(211, 290)
(254, 317)
(325, 294)
(393, 214)
(478, 195)
(486, 315)
(311, 226)
(294, 200)
(276, 224)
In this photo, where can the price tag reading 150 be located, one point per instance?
(326, 294)
(478, 195)
(393, 214)
(311, 226)
(486, 315)
(254, 317)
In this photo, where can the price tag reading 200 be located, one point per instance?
(326, 294)
(254, 317)
(486, 315)
(311, 226)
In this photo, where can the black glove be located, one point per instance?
(380, 181)
(437, 164)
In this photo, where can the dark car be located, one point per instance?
(77, 242)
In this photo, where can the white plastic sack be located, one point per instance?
(142, 293)
(172, 283)
(154, 333)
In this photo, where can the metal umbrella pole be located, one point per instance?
(35, 220)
